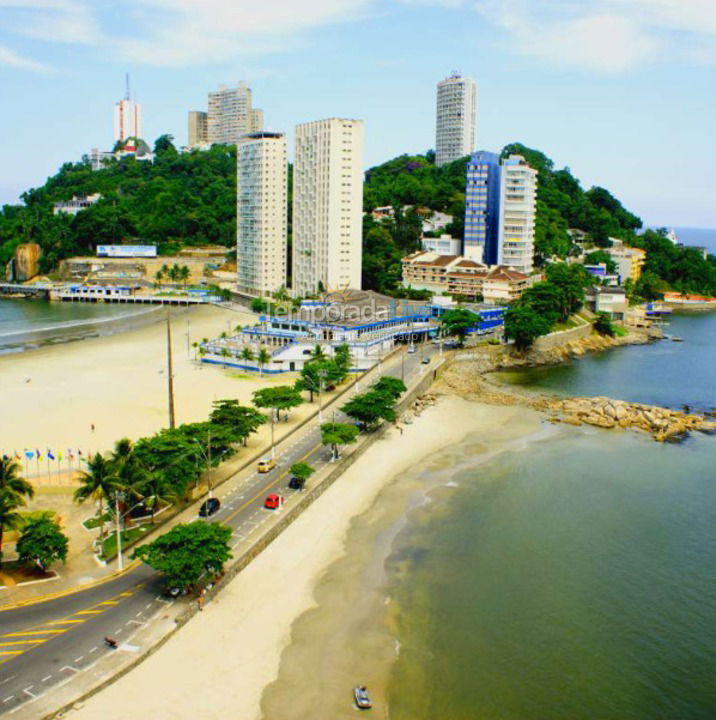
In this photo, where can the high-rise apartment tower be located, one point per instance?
(518, 199)
(231, 115)
(198, 134)
(455, 118)
(127, 118)
(482, 208)
(327, 206)
(261, 212)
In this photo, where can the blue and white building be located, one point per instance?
(482, 208)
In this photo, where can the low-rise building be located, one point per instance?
(443, 245)
(436, 222)
(608, 299)
(457, 275)
(629, 260)
(77, 203)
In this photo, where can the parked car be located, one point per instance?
(266, 464)
(172, 591)
(296, 483)
(209, 507)
(425, 360)
(411, 348)
(273, 501)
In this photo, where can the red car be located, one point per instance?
(273, 501)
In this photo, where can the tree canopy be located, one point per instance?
(190, 555)
(41, 543)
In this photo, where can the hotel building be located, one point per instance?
(127, 120)
(198, 129)
(455, 118)
(261, 212)
(327, 206)
(518, 198)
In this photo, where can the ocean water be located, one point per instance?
(574, 579)
(26, 324)
(701, 237)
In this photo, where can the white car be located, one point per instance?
(411, 348)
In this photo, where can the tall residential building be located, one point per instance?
(127, 118)
(327, 206)
(455, 118)
(231, 115)
(198, 134)
(261, 212)
(518, 199)
(482, 208)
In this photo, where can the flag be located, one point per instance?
(49, 454)
(29, 454)
(79, 452)
(5, 457)
(59, 456)
(69, 452)
(37, 454)
(17, 455)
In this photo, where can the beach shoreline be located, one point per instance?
(238, 645)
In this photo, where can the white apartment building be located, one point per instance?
(261, 212)
(518, 199)
(198, 129)
(127, 120)
(327, 206)
(230, 114)
(455, 118)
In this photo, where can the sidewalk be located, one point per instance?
(83, 570)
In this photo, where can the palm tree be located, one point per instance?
(317, 353)
(127, 469)
(9, 517)
(159, 276)
(156, 491)
(195, 345)
(184, 274)
(98, 482)
(13, 491)
(224, 354)
(247, 354)
(263, 358)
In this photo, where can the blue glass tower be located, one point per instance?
(482, 207)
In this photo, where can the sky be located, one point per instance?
(622, 92)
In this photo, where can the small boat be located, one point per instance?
(677, 339)
(362, 698)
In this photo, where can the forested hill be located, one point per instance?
(181, 199)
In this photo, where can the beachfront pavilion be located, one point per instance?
(370, 324)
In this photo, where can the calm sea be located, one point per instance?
(575, 579)
(32, 323)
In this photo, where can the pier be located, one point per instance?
(29, 291)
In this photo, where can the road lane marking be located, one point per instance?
(7, 699)
(89, 612)
(27, 690)
(81, 657)
(33, 632)
(94, 649)
(66, 622)
(69, 667)
(12, 652)
(46, 678)
(20, 642)
(136, 622)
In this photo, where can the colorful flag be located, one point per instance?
(37, 454)
(59, 456)
(17, 455)
(69, 452)
(79, 452)
(49, 454)
(5, 457)
(29, 454)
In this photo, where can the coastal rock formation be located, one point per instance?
(468, 376)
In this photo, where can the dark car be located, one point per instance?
(209, 507)
(296, 483)
(425, 360)
(173, 592)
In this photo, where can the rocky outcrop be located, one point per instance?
(469, 377)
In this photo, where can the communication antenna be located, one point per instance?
(126, 95)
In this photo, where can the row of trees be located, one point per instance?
(193, 554)
(174, 274)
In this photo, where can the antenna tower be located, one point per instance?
(126, 95)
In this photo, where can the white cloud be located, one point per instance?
(606, 35)
(10, 58)
(68, 21)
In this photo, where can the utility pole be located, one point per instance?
(170, 371)
(120, 564)
(208, 469)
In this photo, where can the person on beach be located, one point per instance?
(92, 427)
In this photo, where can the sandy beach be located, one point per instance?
(118, 384)
(221, 662)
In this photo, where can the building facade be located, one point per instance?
(455, 118)
(231, 115)
(127, 120)
(198, 129)
(518, 200)
(261, 212)
(482, 208)
(327, 206)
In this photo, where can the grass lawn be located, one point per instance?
(96, 521)
(129, 536)
(18, 574)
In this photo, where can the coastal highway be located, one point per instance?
(43, 645)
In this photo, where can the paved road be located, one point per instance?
(41, 645)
